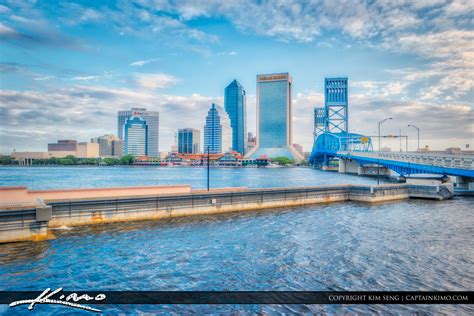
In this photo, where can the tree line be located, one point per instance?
(74, 161)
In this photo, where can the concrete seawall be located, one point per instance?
(35, 223)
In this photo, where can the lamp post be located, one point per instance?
(380, 146)
(380, 123)
(418, 131)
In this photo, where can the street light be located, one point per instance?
(380, 142)
(380, 123)
(418, 130)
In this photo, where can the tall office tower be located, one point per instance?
(152, 121)
(235, 106)
(274, 116)
(135, 131)
(189, 141)
(336, 105)
(217, 131)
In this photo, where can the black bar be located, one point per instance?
(247, 297)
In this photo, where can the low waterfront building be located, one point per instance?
(217, 131)
(63, 148)
(87, 150)
(25, 158)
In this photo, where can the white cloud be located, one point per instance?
(44, 78)
(85, 78)
(231, 53)
(6, 30)
(155, 81)
(140, 63)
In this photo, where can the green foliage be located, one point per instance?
(6, 160)
(127, 160)
(111, 161)
(66, 162)
(283, 161)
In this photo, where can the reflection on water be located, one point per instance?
(19, 251)
(408, 245)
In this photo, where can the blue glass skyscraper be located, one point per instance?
(234, 104)
(217, 131)
(274, 118)
(189, 141)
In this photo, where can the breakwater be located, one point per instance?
(36, 222)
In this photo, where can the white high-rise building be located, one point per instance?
(135, 132)
(152, 121)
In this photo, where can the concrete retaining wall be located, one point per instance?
(27, 224)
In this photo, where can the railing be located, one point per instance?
(433, 159)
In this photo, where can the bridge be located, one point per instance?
(355, 154)
(335, 147)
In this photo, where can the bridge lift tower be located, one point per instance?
(336, 105)
(320, 121)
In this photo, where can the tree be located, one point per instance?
(6, 160)
(111, 161)
(283, 161)
(127, 160)
(66, 161)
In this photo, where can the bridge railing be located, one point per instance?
(440, 160)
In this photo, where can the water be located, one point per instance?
(78, 177)
(407, 245)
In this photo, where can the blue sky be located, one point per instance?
(68, 67)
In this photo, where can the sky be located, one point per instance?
(67, 67)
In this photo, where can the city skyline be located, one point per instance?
(67, 67)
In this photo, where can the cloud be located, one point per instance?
(155, 81)
(140, 63)
(85, 78)
(32, 33)
(44, 78)
(63, 113)
(231, 53)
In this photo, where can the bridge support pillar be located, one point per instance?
(465, 183)
(348, 166)
(372, 171)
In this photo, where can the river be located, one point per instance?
(406, 245)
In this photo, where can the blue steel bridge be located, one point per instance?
(356, 148)
(354, 152)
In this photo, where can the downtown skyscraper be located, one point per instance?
(217, 131)
(235, 106)
(274, 118)
(189, 141)
(152, 121)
